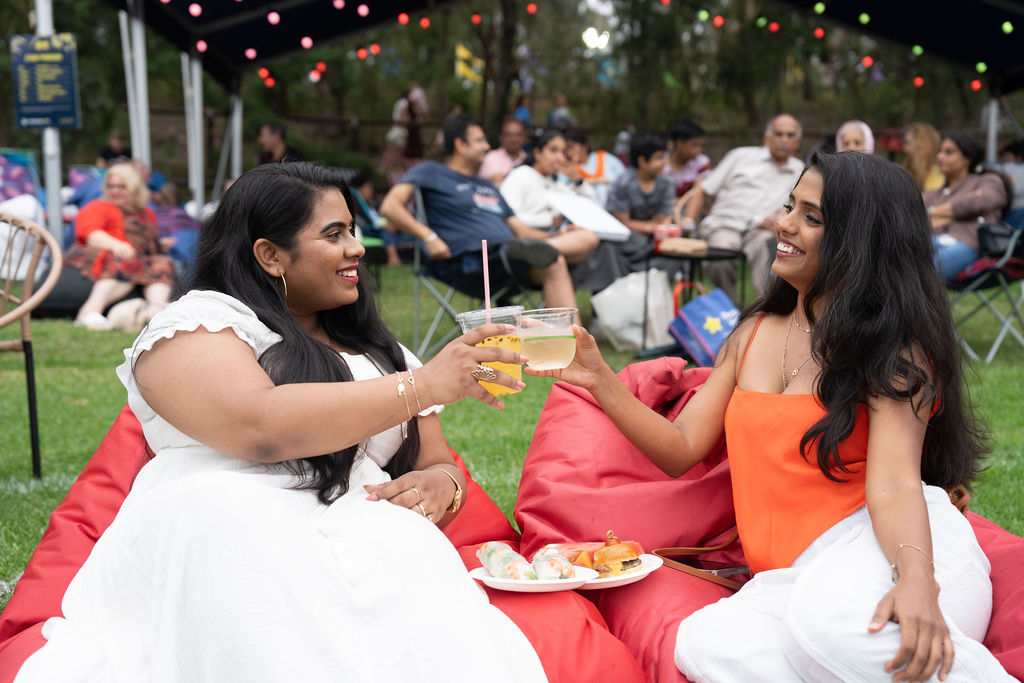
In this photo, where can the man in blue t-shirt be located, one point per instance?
(463, 209)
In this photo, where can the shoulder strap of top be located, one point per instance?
(746, 350)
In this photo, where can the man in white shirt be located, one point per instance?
(749, 187)
(498, 162)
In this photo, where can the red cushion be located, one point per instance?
(567, 632)
(582, 477)
(1005, 638)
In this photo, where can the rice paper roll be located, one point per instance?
(548, 563)
(502, 562)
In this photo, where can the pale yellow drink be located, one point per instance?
(548, 342)
(506, 315)
(548, 349)
(512, 342)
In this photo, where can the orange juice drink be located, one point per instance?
(512, 342)
(505, 315)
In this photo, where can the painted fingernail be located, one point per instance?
(510, 328)
(372, 497)
(520, 385)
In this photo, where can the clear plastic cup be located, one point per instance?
(548, 342)
(505, 315)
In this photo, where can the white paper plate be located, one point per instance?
(648, 563)
(538, 586)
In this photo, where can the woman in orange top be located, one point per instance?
(840, 398)
(117, 246)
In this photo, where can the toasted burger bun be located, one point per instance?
(615, 560)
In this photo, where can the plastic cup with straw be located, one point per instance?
(509, 315)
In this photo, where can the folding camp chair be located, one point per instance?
(429, 343)
(1001, 272)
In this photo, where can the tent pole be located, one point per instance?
(190, 121)
(236, 132)
(993, 129)
(51, 140)
(199, 173)
(129, 80)
(222, 160)
(141, 83)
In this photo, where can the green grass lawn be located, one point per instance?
(79, 397)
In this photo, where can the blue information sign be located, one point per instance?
(46, 81)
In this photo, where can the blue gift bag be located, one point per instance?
(702, 325)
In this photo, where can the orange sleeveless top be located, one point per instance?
(783, 501)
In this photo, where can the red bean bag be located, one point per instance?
(567, 631)
(582, 477)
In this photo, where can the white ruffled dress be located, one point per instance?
(216, 570)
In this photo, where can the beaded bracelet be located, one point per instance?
(901, 546)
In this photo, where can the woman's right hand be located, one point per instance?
(447, 377)
(587, 368)
(122, 249)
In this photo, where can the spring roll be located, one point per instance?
(548, 563)
(502, 562)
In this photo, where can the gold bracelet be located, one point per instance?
(457, 498)
(416, 394)
(408, 410)
(901, 546)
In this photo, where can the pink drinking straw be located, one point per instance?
(487, 283)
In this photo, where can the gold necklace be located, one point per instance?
(797, 323)
(785, 350)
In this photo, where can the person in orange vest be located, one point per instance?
(599, 167)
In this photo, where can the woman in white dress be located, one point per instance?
(287, 528)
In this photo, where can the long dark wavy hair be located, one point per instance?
(886, 327)
(274, 202)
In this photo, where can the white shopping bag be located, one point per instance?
(620, 310)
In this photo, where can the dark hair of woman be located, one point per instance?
(970, 147)
(274, 202)
(886, 328)
(542, 141)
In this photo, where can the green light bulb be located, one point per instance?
(917, 50)
(1007, 27)
(819, 8)
(703, 15)
(981, 67)
(864, 18)
(762, 22)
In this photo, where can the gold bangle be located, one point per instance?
(457, 498)
(901, 546)
(408, 410)
(416, 394)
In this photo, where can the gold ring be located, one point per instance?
(418, 496)
(484, 373)
(423, 510)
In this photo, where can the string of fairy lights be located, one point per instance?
(273, 18)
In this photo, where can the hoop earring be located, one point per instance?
(285, 284)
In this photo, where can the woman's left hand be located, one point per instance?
(425, 492)
(925, 645)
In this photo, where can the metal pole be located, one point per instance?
(236, 133)
(129, 80)
(141, 83)
(51, 140)
(199, 173)
(190, 121)
(993, 130)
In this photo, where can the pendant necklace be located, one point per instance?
(785, 375)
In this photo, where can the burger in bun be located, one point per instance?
(616, 559)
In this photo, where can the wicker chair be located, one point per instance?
(23, 244)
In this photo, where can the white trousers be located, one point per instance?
(809, 622)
